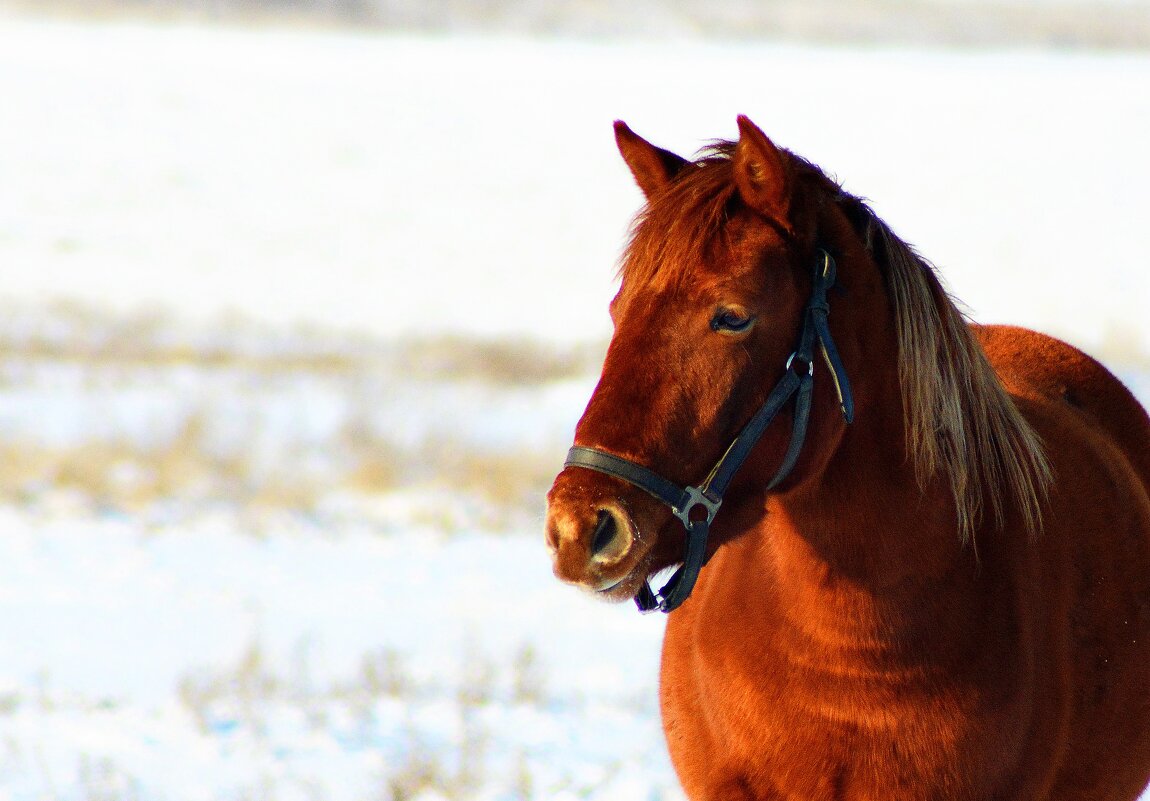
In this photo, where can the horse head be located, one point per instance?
(716, 283)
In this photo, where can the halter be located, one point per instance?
(696, 506)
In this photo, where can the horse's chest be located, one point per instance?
(773, 728)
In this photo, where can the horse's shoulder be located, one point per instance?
(1069, 385)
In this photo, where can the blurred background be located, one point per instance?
(300, 302)
(1058, 23)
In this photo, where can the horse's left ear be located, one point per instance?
(762, 173)
(653, 167)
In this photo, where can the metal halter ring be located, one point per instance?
(810, 364)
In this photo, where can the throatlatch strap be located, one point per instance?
(798, 431)
(818, 310)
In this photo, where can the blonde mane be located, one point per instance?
(960, 422)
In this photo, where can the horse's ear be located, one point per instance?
(762, 174)
(653, 167)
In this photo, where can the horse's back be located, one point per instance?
(1041, 367)
(1096, 550)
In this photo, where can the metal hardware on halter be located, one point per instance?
(810, 365)
(709, 495)
(696, 497)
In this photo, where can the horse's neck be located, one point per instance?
(859, 550)
(856, 541)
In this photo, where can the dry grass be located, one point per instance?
(73, 334)
(242, 696)
(529, 685)
(97, 365)
(118, 476)
(504, 479)
(503, 362)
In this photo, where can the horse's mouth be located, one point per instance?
(618, 592)
(611, 587)
(626, 586)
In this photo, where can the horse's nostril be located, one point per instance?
(605, 531)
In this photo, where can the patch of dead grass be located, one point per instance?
(514, 480)
(74, 334)
(104, 354)
(504, 362)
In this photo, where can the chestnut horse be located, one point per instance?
(929, 577)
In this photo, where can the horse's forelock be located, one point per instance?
(680, 222)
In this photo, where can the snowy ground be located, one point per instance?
(251, 575)
(295, 328)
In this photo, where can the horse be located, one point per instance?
(915, 561)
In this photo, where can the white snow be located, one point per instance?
(269, 192)
(423, 185)
(104, 623)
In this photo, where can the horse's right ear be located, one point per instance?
(652, 166)
(761, 173)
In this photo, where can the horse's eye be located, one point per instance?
(731, 321)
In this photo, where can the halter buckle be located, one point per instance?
(695, 498)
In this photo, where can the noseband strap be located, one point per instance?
(696, 506)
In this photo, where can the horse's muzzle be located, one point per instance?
(592, 541)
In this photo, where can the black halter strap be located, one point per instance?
(696, 506)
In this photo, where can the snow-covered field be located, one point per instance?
(293, 331)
